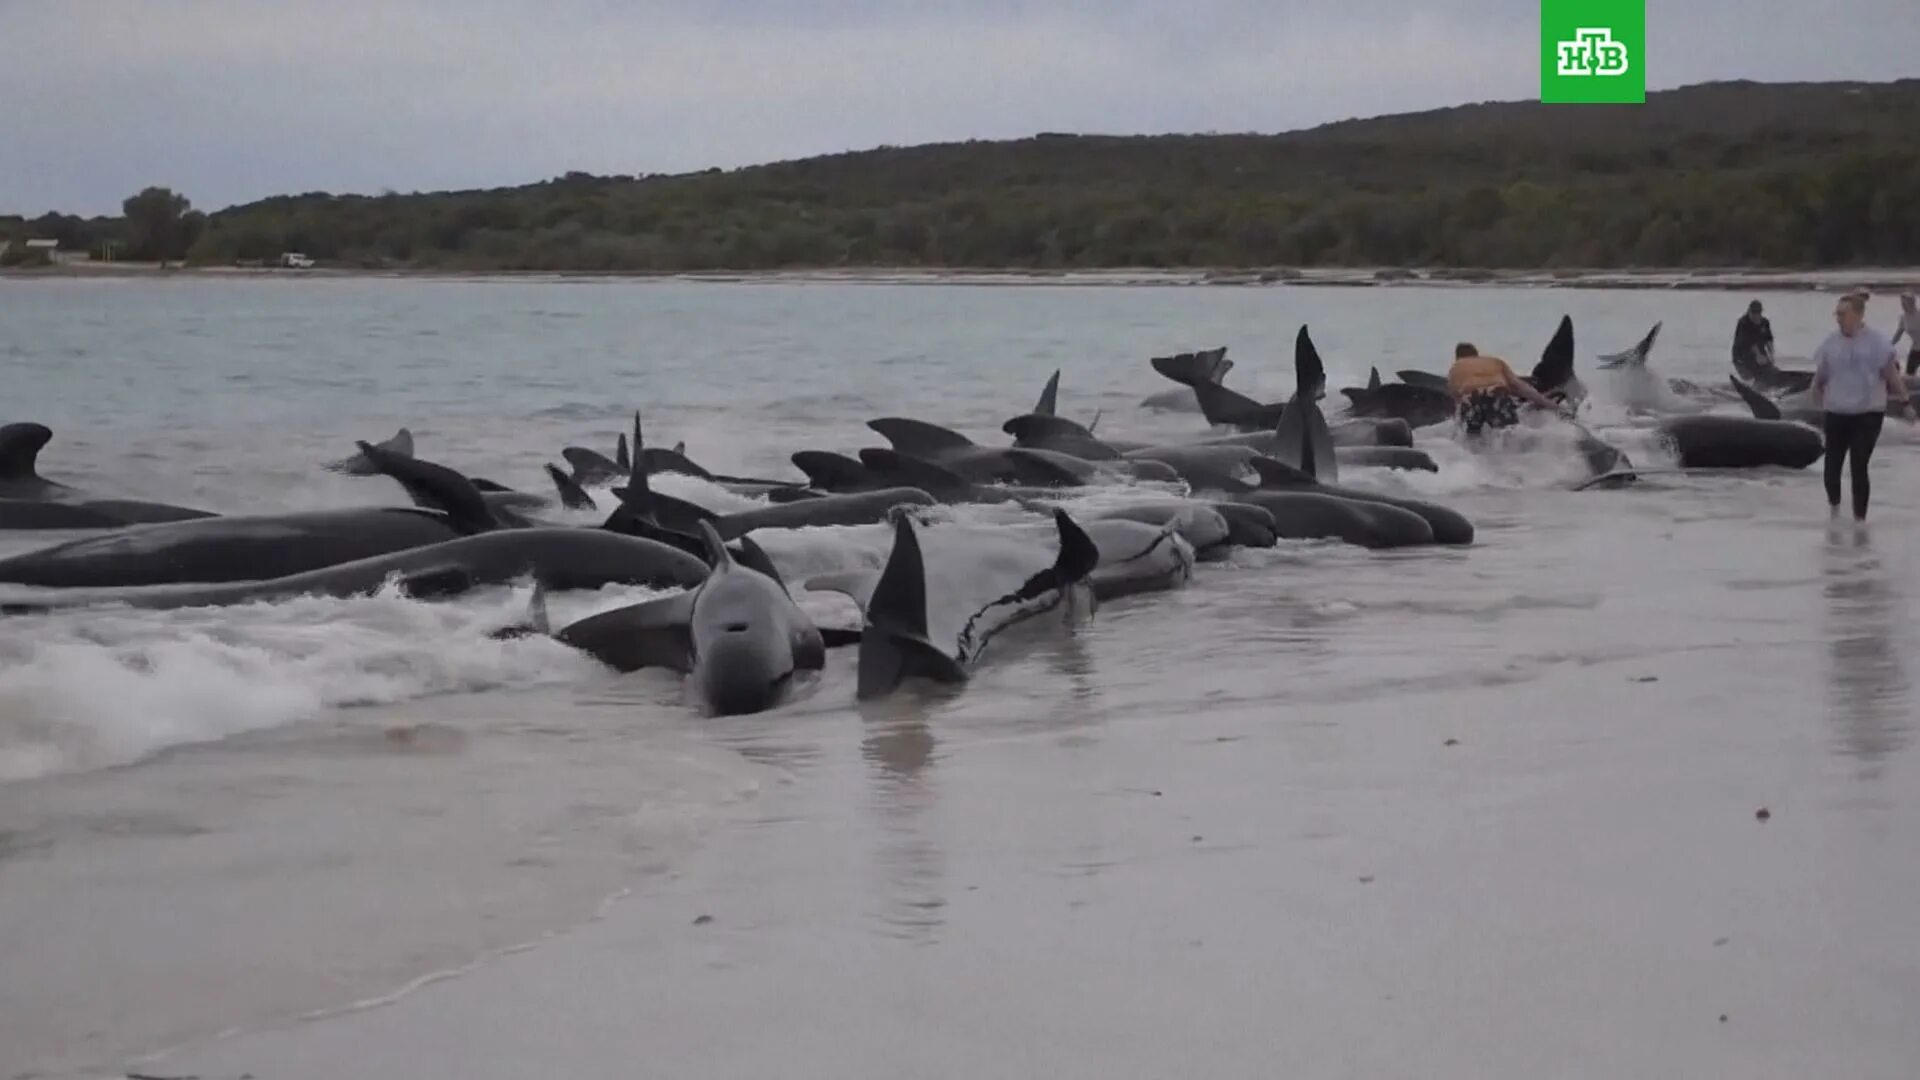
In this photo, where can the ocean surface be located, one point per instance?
(1549, 747)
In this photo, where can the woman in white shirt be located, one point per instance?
(1858, 374)
(1910, 326)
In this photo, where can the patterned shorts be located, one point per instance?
(1488, 409)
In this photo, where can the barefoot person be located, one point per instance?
(1486, 392)
(1858, 374)
(1910, 328)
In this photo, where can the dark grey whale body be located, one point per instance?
(1712, 441)
(736, 634)
(258, 548)
(30, 501)
(895, 642)
(556, 558)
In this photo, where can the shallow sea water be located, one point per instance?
(1480, 813)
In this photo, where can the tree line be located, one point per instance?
(1719, 174)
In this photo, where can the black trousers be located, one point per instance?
(1851, 434)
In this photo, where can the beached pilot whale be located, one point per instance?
(904, 636)
(1297, 485)
(259, 548)
(1044, 431)
(737, 635)
(1003, 464)
(1136, 557)
(30, 501)
(1717, 441)
(657, 516)
(555, 558)
(1228, 408)
(505, 501)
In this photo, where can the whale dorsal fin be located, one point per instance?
(572, 495)
(1373, 378)
(621, 456)
(1309, 372)
(435, 487)
(592, 466)
(919, 438)
(641, 506)
(1556, 360)
(1049, 397)
(20, 450)
(893, 644)
(829, 471)
(673, 461)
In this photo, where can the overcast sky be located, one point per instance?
(231, 100)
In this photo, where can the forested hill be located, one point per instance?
(1743, 173)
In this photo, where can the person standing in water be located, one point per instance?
(1910, 327)
(1752, 341)
(1487, 393)
(1857, 374)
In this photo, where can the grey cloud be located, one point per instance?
(229, 100)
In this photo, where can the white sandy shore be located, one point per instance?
(1579, 888)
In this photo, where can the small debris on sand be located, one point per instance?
(702, 920)
(1762, 814)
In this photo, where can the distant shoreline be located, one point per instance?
(1874, 279)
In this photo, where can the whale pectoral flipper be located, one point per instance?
(1764, 408)
(652, 634)
(435, 487)
(537, 620)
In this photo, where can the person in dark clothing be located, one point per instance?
(1752, 342)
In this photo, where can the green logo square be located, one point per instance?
(1593, 51)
